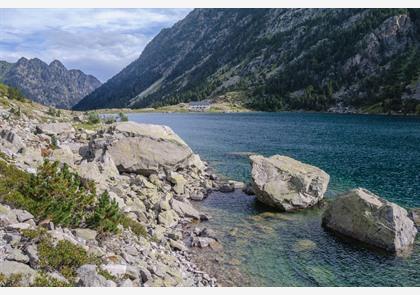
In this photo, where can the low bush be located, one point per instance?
(14, 280)
(106, 216)
(44, 280)
(65, 257)
(62, 196)
(135, 227)
(123, 117)
(54, 112)
(14, 93)
(93, 118)
(58, 194)
(106, 274)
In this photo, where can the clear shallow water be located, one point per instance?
(379, 153)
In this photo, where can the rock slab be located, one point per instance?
(362, 215)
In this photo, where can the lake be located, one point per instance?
(380, 153)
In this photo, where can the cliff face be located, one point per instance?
(280, 58)
(49, 84)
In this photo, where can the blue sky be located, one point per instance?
(100, 42)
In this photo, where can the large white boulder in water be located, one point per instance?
(364, 216)
(147, 148)
(287, 184)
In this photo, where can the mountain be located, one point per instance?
(312, 59)
(51, 84)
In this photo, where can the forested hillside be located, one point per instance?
(279, 59)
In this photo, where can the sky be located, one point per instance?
(100, 42)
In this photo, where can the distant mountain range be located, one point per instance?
(312, 59)
(51, 84)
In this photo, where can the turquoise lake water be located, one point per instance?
(269, 248)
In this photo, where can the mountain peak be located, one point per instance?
(56, 63)
(22, 60)
(49, 84)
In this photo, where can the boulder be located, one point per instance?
(226, 187)
(85, 234)
(23, 215)
(88, 277)
(168, 218)
(178, 245)
(415, 216)
(17, 255)
(362, 215)
(202, 242)
(8, 268)
(145, 148)
(178, 181)
(7, 216)
(287, 184)
(115, 269)
(185, 209)
(11, 140)
(55, 128)
(64, 155)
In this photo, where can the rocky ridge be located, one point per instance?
(154, 189)
(50, 84)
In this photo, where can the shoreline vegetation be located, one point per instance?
(182, 109)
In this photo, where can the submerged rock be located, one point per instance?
(304, 245)
(287, 184)
(362, 215)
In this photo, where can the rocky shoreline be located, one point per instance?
(153, 178)
(147, 170)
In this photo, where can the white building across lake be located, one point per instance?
(199, 106)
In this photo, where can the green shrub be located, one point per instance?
(14, 280)
(93, 118)
(54, 142)
(65, 257)
(107, 215)
(58, 194)
(418, 109)
(11, 178)
(14, 93)
(15, 112)
(106, 274)
(123, 117)
(54, 112)
(44, 280)
(135, 227)
(3, 89)
(32, 234)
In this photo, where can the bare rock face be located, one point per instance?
(146, 148)
(287, 184)
(364, 216)
(11, 140)
(55, 128)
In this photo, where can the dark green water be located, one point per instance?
(379, 153)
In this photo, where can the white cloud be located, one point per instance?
(97, 41)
